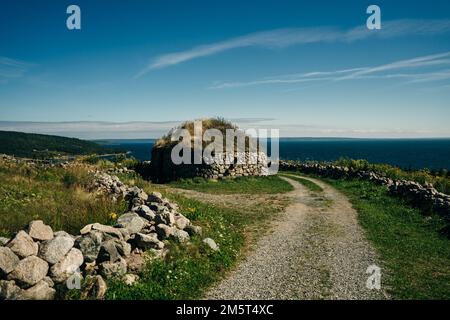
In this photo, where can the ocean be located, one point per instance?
(405, 153)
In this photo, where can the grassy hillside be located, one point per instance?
(42, 146)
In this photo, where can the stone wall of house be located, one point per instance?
(422, 196)
(162, 168)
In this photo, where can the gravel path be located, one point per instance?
(316, 250)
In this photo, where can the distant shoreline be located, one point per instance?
(409, 154)
(144, 140)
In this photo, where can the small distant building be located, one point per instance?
(246, 161)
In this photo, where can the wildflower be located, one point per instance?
(113, 216)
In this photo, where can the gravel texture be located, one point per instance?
(316, 250)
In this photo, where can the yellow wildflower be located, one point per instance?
(113, 216)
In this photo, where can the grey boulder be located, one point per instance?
(155, 197)
(136, 262)
(67, 266)
(210, 243)
(112, 250)
(193, 230)
(113, 269)
(3, 241)
(54, 250)
(124, 248)
(9, 290)
(165, 217)
(164, 231)
(8, 260)
(180, 235)
(181, 221)
(148, 241)
(136, 192)
(100, 286)
(40, 291)
(49, 281)
(108, 252)
(145, 212)
(39, 231)
(157, 207)
(90, 244)
(23, 245)
(29, 271)
(130, 279)
(108, 230)
(131, 221)
(96, 287)
(86, 229)
(62, 234)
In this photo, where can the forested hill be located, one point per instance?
(41, 146)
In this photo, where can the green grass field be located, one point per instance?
(243, 185)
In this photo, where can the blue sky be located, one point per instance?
(309, 68)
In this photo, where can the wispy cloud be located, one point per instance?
(281, 38)
(278, 38)
(155, 129)
(400, 28)
(385, 71)
(12, 68)
(108, 129)
(424, 61)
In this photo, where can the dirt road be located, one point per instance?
(316, 250)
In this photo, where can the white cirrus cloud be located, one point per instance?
(12, 68)
(281, 38)
(400, 69)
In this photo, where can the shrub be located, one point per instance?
(69, 179)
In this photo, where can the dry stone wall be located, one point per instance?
(423, 196)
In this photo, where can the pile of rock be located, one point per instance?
(423, 196)
(119, 170)
(109, 185)
(43, 163)
(36, 260)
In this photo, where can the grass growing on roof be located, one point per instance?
(211, 123)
